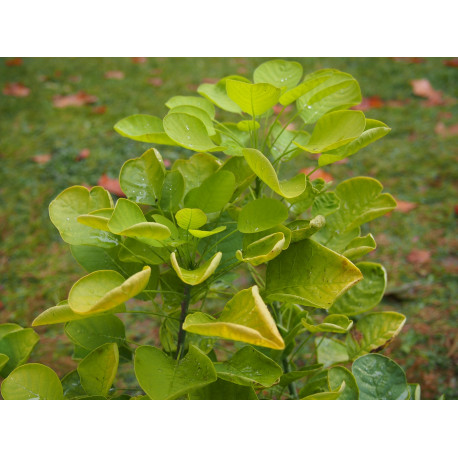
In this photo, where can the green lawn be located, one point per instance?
(416, 163)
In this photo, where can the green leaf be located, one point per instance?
(93, 258)
(189, 132)
(161, 377)
(281, 141)
(141, 179)
(128, 220)
(7, 328)
(138, 252)
(249, 366)
(248, 125)
(330, 351)
(379, 377)
(71, 384)
(32, 382)
(360, 246)
(325, 204)
(304, 229)
(98, 370)
(261, 214)
(60, 313)
(73, 202)
(262, 167)
(292, 376)
(202, 234)
(309, 274)
(373, 131)
(334, 130)
(310, 82)
(17, 344)
(223, 390)
(244, 318)
(279, 73)
(366, 294)
(339, 374)
(190, 218)
(199, 275)
(105, 289)
(254, 99)
(172, 191)
(326, 395)
(198, 102)
(233, 139)
(332, 323)
(263, 250)
(373, 332)
(252, 237)
(97, 219)
(415, 391)
(197, 113)
(196, 169)
(143, 128)
(213, 194)
(3, 360)
(217, 94)
(93, 332)
(325, 91)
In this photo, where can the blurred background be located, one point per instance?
(56, 130)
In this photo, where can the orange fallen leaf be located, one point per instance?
(405, 207)
(370, 102)
(101, 109)
(138, 60)
(446, 131)
(16, 90)
(114, 75)
(111, 185)
(41, 158)
(75, 78)
(317, 174)
(16, 62)
(423, 88)
(419, 257)
(74, 100)
(83, 154)
(451, 62)
(156, 82)
(409, 60)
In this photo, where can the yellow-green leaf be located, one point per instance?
(263, 250)
(60, 313)
(202, 234)
(332, 323)
(190, 218)
(199, 275)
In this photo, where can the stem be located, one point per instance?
(292, 386)
(184, 311)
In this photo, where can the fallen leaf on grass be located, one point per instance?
(419, 257)
(83, 154)
(101, 109)
(111, 185)
(138, 60)
(451, 62)
(75, 78)
(114, 75)
(446, 131)
(41, 158)
(16, 62)
(423, 88)
(156, 71)
(317, 174)
(156, 82)
(370, 102)
(16, 90)
(74, 100)
(405, 207)
(409, 60)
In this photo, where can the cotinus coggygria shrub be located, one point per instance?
(255, 281)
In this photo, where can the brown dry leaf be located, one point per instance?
(83, 154)
(101, 109)
(16, 62)
(111, 185)
(370, 102)
(16, 90)
(419, 257)
(446, 131)
(138, 60)
(451, 62)
(156, 82)
(114, 75)
(74, 100)
(405, 207)
(423, 88)
(317, 174)
(41, 158)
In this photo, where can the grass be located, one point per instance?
(414, 163)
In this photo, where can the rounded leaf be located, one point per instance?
(199, 275)
(193, 101)
(190, 218)
(280, 73)
(32, 382)
(263, 250)
(261, 214)
(339, 374)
